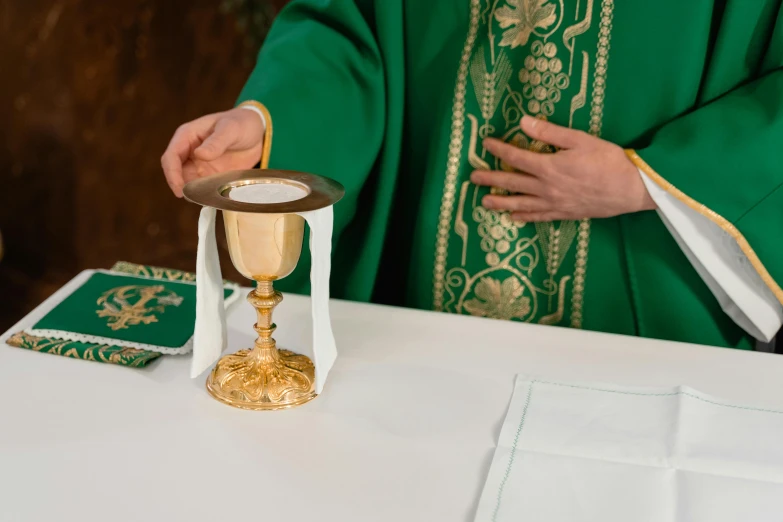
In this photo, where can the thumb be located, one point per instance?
(222, 137)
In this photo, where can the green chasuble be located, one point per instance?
(393, 97)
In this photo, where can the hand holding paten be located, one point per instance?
(219, 142)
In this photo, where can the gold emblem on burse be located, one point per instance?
(126, 306)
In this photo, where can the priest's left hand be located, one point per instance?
(587, 178)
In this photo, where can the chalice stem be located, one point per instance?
(263, 378)
(264, 299)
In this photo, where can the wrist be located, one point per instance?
(648, 203)
(639, 199)
(642, 198)
(252, 107)
(266, 129)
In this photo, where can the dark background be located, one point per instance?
(92, 91)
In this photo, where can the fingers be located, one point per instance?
(525, 203)
(536, 217)
(190, 171)
(521, 159)
(531, 162)
(223, 136)
(185, 139)
(175, 155)
(560, 137)
(526, 208)
(511, 181)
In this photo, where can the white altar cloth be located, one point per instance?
(405, 429)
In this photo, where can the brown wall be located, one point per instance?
(91, 92)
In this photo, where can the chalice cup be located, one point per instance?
(265, 242)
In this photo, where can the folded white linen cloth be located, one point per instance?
(574, 452)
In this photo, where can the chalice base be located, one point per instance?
(263, 379)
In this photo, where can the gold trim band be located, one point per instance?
(266, 151)
(713, 216)
(454, 158)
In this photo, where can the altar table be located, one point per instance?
(404, 431)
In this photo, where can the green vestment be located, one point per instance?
(392, 98)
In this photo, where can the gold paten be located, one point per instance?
(265, 242)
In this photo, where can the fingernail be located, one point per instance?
(475, 176)
(487, 202)
(529, 121)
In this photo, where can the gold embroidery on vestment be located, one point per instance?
(503, 287)
(454, 156)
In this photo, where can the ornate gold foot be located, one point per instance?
(263, 378)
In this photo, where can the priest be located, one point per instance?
(562, 162)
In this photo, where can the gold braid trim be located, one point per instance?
(713, 216)
(267, 148)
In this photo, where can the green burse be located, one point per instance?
(88, 351)
(128, 316)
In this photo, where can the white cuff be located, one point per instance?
(257, 111)
(722, 265)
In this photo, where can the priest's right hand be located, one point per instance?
(218, 142)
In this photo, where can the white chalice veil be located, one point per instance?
(210, 338)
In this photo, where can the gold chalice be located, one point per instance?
(265, 241)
